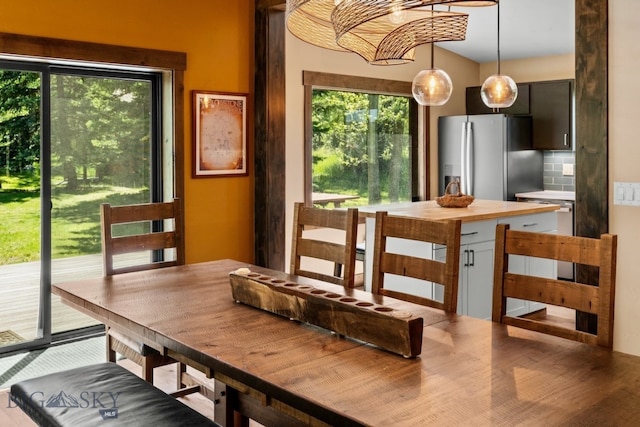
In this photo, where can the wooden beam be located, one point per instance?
(592, 137)
(269, 138)
(45, 47)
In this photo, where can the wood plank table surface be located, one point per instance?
(281, 372)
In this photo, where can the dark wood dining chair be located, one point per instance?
(342, 254)
(443, 233)
(135, 238)
(598, 253)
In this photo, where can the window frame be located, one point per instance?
(419, 142)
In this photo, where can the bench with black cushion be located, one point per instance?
(91, 395)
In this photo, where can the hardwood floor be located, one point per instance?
(555, 315)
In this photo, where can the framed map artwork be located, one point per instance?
(220, 134)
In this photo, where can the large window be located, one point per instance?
(362, 143)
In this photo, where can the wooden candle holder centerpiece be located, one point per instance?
(394, 330)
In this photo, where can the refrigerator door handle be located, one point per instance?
(469, 160)
(463, 165)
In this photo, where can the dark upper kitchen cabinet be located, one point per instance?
(551, 106)
(549, 103)
(476, 106)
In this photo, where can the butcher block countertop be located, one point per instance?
(479, 210)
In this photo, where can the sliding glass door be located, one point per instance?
(73, 138)
(22, 297)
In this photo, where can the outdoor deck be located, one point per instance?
(20, 294)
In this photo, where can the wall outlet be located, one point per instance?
(567, 169)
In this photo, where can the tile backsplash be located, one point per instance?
(553, 177)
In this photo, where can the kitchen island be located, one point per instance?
(477, 242)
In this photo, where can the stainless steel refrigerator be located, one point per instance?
(490, 154)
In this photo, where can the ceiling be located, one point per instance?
(528, 28)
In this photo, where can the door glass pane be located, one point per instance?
(19, 206)
(361, 148)
(100, 145)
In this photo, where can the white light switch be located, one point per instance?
(626, 193)
(567, 169)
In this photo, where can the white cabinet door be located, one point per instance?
(476, 279)
(475, 287)
(518, 307)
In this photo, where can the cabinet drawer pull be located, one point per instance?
(565, 139)
(533, 224)
(469, 234)
(473, 258)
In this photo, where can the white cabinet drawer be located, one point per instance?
(478, 231)
(546, 221)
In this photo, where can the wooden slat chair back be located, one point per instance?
(131, 348)
(342, 255)
(151, 241)
(598, 300)
(445, 233)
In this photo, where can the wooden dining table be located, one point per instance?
(282, 372)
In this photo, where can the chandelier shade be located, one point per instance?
(310, 21)
(383, 35)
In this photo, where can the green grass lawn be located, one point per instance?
(75, 218)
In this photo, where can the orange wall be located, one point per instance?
(217, 36)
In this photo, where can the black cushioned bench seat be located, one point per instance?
(100, 395)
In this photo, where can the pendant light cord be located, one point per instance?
(498, 37)
(432, 39)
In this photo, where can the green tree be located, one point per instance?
(392, 123)
(20, 119)
(97, 125)
(372, 149)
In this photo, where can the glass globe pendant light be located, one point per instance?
(499, 90)
(432, 87)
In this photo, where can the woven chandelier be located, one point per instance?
(383, 32)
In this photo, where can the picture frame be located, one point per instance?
(219, 134)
